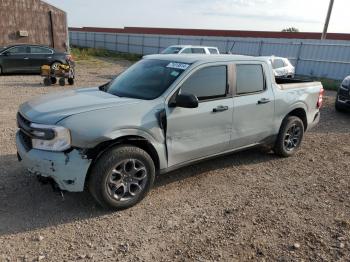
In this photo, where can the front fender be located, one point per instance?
(157, 142)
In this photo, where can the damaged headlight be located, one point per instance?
(50, 138)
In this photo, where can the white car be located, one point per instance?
(191, 49)
(282, 67)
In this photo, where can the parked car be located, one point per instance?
(342, 102)
(29, 58)
(190, 49)
(163, 113)
(282, 67)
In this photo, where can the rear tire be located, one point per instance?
(55, 66)
(290, 136)
(121, 177)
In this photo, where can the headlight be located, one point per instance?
(51, 138)
(346, 83)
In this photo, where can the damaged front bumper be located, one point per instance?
(68, 170)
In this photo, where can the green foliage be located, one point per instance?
(89, 53)
(330, 84)
(291, 29)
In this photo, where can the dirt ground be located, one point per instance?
(246, 206)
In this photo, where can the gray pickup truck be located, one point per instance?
(163, 113)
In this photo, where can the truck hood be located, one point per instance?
(51, 108)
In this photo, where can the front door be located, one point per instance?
(16, 59)
(204, 131)
(253, 115)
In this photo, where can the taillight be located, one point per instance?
(320, 98)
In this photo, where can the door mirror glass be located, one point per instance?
(186, 101)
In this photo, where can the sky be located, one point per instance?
(260, 15)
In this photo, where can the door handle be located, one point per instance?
(220, 109)
(264, 101)
(26, 58)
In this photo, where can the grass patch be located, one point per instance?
(91, 53)
(330, 84)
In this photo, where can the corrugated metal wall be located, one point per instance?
(32, 16)
(329, 58)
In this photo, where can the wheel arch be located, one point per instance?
(300, 113)
(135, 140)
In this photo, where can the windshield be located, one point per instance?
(147, 79)
(172, 50)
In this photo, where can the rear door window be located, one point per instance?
(207, 83)
(198, 50)
(40, 50)
(249, 79)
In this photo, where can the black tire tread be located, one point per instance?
(103, 165)
(279, 145)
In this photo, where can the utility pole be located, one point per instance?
(325, 29)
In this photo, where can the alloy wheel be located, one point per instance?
(127, 180)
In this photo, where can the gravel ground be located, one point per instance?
(246, 206)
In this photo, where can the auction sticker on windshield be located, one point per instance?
(178, 65)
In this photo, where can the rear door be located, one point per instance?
(39, 56)
(206, 130)
(253, 114)
(16, 59)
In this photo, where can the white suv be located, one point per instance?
(282, 67)
(191, 49)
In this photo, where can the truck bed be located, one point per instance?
(292, 83)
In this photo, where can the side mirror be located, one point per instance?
(186, 101)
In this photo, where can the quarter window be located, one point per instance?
(213, 51)
(207, 83)
(249, 79)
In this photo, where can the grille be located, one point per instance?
(24, 126)
(344, 93)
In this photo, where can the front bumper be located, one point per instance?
(68, 170)
(343, 98)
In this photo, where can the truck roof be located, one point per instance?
(194, 46)
(200, 58)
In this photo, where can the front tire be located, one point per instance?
(290, 136)
(121, 177)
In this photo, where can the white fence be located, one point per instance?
(329, 59)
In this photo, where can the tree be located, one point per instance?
(290, 29)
